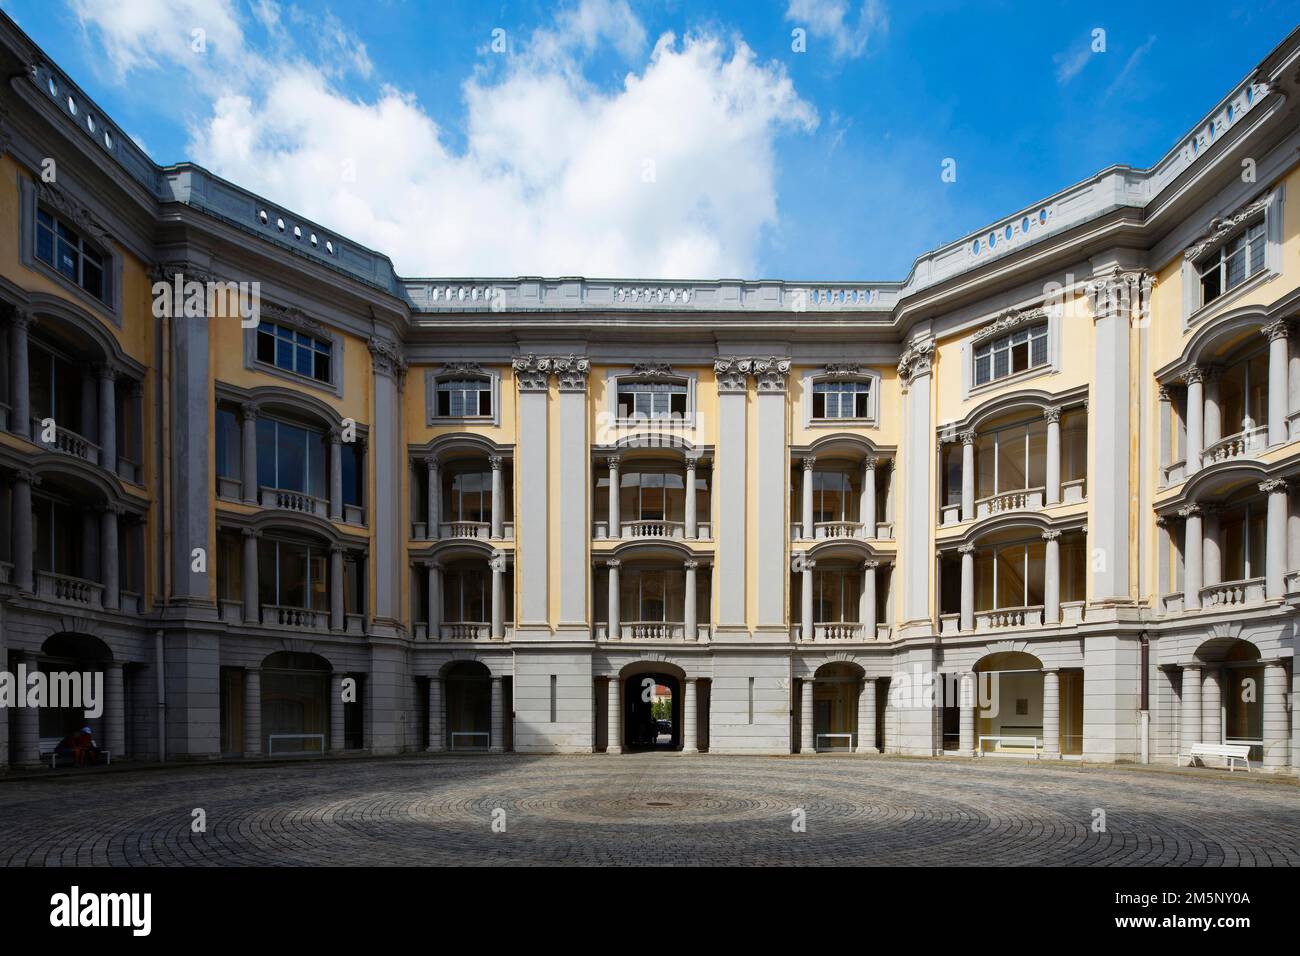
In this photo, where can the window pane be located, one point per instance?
(1011, 460)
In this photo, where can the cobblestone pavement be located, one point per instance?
(648, 809)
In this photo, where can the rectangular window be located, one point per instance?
(841, 400)
(464, 398)
(295, 351)
(60, 246)
(652, 400)
(1017, 351)
(1233, 262)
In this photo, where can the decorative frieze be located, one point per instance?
(650, 370)
(1008, 320)
(770, 374)
(847, 370)
(533, 372)
(293, 317)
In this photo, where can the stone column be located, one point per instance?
(1195, 378)
(387, 515)
(20, 417)
(433, 498)
(967, 587)
(867, 717)
(1051, 713)
(692, 610)
(252, 711)
(692, 519)
(1211, 548)
(966, 703)
(730, 474)
(1276, 732)
(4, 721)
(689, 717)
(807, 485)
(437, 739)
(248, 452)
(615, 518)
(497, 463)
(1166, 426)
(252, 612)
(336, 474)
(916, 368)
(1211, 707)
(337, 730)
(1052, 577)
(614, 715)
(1053, 415)
(867, 508)
(498, 744)
(806, 604)
(434, 584)
(1275, 537)
(337, 621)
(967, 475)
(498, 566)
(109, 565)
(115, 710)
(867, 601)
(1190, 707)
(613, 629)
(1279, 391)
(1212, 422)
(28, 745)
(807, 740)
(24, 575)
(532, 518)
(107, 376)
(1292, 531)
(1192, 545)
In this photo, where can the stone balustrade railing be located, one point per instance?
(67, 589)
(1024, 499)
(1247, 443)
(1233, 593)
(287, 500)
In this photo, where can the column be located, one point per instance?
(1275, 538)
(22, 520)
(615, 519)
(867, 601)
(1053, 415)
(387, 517)
(1279, 391)
(1213, 418)
(1211, 707)
(4, 721)
(967, 587)
(252, 613)
(20, 417)
(916, 548)
(613, 626)
(432, 499)
(248, 451)
(807, 742)
(692, 610)
(966, 703)
(1292, 532)
(1190, 708)
(115, 710)
(1211, 550)
(107, 375)
(532, 521)
(867, 508)
(867, 717)
(434, 584)
(337, 730)
(1052, 577)
(967, 475)
(337, 622)
(730, 475)
(806, 603)
(1192, 545)
(614, 715)
(252, 711)
(1194, 377)
(1051, 713)
(437, 739)
(571, 455)
(692, 520)
(498, 566)
(497, 463)
(109, 565)
(336, 474)
(807, 486)
(1166, 426)
(136, 426)
(1276, 736)
(28, 745)
(689, 717)
(498, 744)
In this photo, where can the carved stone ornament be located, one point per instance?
(770, 373)
(531, 372)
(843, 370)
(1006, 321)
(386, 357)
(572, 372)
(458, 369)
(1222, 227)
(72, 210)
(293, 317)
(917, 359)
(651, 370)
(731, 376)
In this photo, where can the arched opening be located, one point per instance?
(652, 706)
(1237, 668)
(295, 704)
(468, 687)
(1009, 707)
(70, 654)
(835, 707)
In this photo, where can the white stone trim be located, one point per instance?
(431, 377)
(1006, 320)
(849, 372)
(665, 372)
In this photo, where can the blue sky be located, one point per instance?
(593, 144)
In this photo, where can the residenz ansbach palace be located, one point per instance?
(404, 514)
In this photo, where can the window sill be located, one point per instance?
(260, 366)
(437, 421)
(1027, 374)
(99, 305)
(1212, 308)
(841, 423)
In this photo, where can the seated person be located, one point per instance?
(79, 745)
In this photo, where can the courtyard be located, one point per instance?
(649, 809)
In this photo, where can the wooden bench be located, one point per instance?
(1229, 752)
(50, 744)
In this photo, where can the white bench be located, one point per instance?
(50, 744)
(1229, 752)
(1005, 741)
(487, 738)
(847, 738)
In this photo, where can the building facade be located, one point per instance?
(1041, 494)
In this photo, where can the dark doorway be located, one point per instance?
(652, 712)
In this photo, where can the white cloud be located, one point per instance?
(1129, 66)
(552, 178)
(828, 19)
(1070, 63)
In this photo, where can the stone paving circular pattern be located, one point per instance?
(649, 809)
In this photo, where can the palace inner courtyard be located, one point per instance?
(649, 809)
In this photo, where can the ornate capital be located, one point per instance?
(386, 357)
(1276, 330)
(1051, 535)
(497, 563)
(966, 549)
(770, 373)
(967, 437)
(1190, 511)
(1273, 486)
(1052, 413)
(690, 565)
(1194, 374)
(21, 318)
(613, 564)
(531, 372)
(496, 462)
(252, 533)
(572, 372)
(870, 462)
(613, 461)
(431, 462)
(870, 565)
(809, 462)
(1164, 394)
(917, 359)
(731, 376)
(248, 412)
(337, 548)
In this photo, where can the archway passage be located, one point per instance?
(652, 712)
(81, 654)
(469, 706)
(295, 704)
(835, 716)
